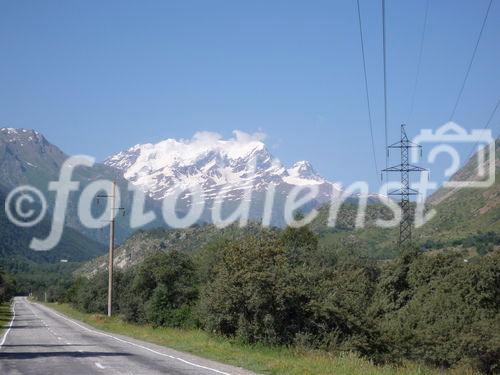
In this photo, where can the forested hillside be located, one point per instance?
(38, 270)
(14, 241)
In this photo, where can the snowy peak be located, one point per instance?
(304, 169)
(206, 160)
(203, 145)
(210, 162)
(302, 173)
(124, 159)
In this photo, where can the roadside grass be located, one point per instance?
(5, 317)
(257, 358)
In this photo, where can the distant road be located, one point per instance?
(44, 342)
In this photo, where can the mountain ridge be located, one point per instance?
(211, 162)
(28, 158)
(222, 170)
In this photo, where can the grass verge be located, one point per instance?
(258, 358)
(5, 317)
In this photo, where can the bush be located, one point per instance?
(241, 299)
(91, 295)
(451, 314)
(275, 289)
(160, 291)
(163, 310)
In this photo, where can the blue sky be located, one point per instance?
(97, 77)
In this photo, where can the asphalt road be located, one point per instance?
(41, 341)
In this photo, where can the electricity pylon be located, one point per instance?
(405, 168)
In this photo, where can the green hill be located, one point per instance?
(466, 211)
(463, 216)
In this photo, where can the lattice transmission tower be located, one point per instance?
(405, 168)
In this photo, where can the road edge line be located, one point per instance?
(131, 343)
(10, 324)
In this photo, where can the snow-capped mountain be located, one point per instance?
(302, 173)
(221, 168)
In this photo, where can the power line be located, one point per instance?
(385, 87)
(366, 89)
(470, 62)
(474, 148)
(419, 60)
(490, 119)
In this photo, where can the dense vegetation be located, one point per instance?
(281, 288)
(7, 286)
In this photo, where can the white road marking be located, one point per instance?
(99, 365)
(10, 325)
(134, 344)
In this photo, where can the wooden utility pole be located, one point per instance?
(111, 250)
(113, 211)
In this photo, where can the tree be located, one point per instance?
(451, 314)
(7, 286)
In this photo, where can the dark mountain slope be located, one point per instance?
(14, 242)
(26, 157)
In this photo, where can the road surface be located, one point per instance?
(41, 341)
